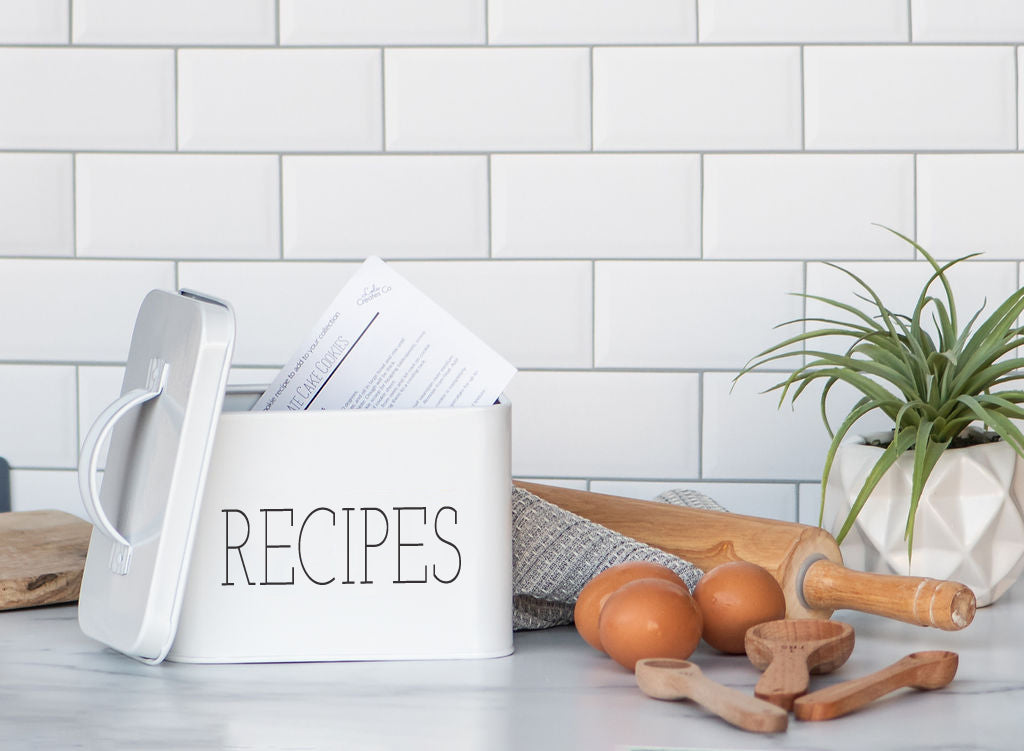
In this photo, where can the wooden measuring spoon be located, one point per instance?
(663, 678)
(789, 650)
(927, 670)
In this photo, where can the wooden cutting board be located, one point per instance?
(42, 556)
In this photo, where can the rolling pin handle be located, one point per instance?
(924, 602)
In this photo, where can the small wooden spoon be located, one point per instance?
(790, 649)
(927, 670)
(663, 678)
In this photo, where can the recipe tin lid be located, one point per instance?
(161, 432)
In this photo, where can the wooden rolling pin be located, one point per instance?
(804, 560)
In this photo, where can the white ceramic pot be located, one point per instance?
(970, 521)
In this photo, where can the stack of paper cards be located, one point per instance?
(384, 344)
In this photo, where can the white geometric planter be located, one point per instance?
(969, 525)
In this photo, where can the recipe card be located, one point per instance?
(384, 344)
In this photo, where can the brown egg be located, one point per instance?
(597, 590)
(649, 618)
(733, 597)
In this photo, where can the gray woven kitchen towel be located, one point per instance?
(556, 552)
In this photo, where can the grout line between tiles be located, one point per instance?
(591, 88)
(508, 46)
(578, 370)
(803, 307)
(700, 425)
(593, 314)
(910, 21)
(277, 22)
(490, 210)
(74, 205)
(914, 207)
(78, 407)
(478, 259)
(696, 21)
(63, 149)
(803, 102)
(177, 142)
(700, 207)
(383, 103)
(71, 21)
(1016, 95)
(280, 205)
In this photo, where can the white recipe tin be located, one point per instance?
(225, 535)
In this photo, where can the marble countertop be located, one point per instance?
(59, 689)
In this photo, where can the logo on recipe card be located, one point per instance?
(372, 293)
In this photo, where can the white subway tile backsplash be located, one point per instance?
(641, 425)
(768, 500)
(170, 22)
(654, 314)
(35, 193)
(803, 20)
(391, 22)
(276, 304)
(38, 490)
(690, 98)
(969, 203)
(117, 99)
(899, 97)
(537, 314)
(967, 20)
(34, 21)
(746, 435)
(596, 205)
(617, 196)
(806, 205)
(177, 206)
(592, 21)
(38, 405)
(346, 206)
(74, 310)
(279, 100)
(487, 99)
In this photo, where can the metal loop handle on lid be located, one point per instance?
(88, 465)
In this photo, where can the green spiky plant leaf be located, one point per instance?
(931, 389)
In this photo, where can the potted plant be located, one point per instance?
(943, 488)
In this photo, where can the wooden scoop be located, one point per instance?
(927, 670)
(663, 678)
(789, 650)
